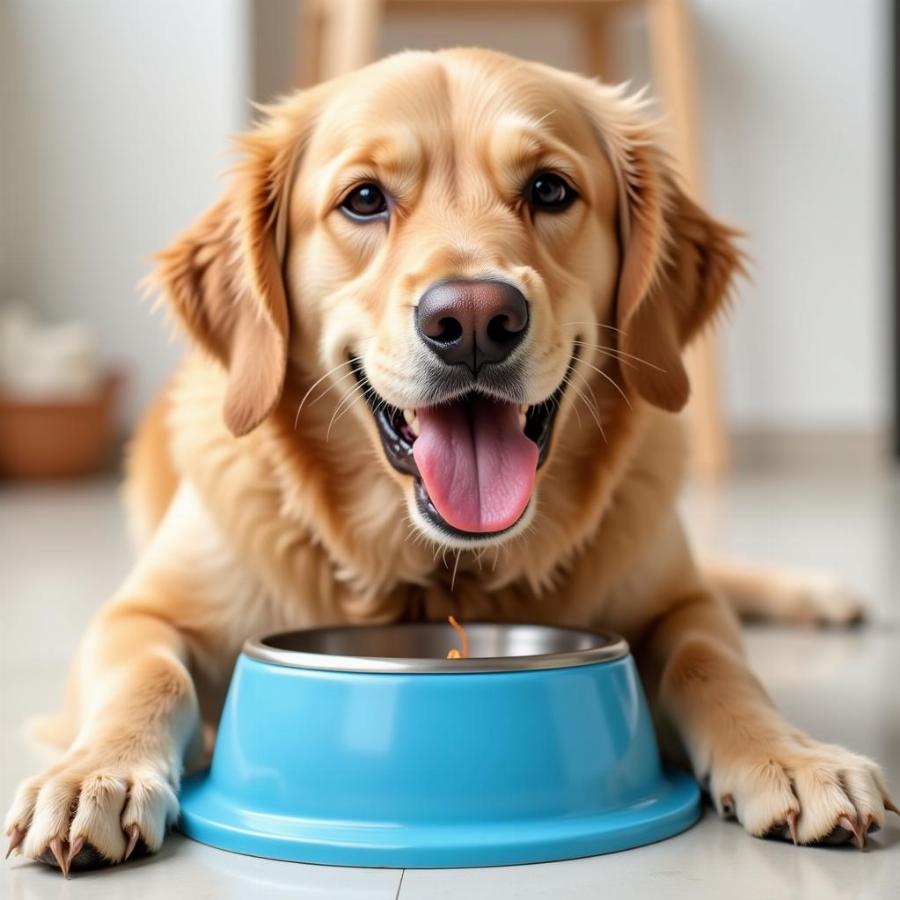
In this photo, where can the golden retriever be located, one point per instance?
(441, 307)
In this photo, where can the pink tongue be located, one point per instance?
(477, 465)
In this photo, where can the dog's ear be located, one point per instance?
(678, 262)
(223, 277)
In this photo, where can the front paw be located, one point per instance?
(798, 788)
(92, 809)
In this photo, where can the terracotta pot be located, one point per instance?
(58, 438)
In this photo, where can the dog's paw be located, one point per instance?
(805, 791)
(88, 810)
(810, 597)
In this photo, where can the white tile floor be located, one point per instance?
(62, 550)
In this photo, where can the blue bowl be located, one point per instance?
(367, 747)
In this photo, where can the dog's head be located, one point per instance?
(474, 245)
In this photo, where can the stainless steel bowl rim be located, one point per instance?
(598, 647)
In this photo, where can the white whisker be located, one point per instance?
(616, 353)
(455, 567)
(603, 374)
(353, 396)
(592, 409)
(568, 382)
(314, 385)
(331, 387)
(594, 325)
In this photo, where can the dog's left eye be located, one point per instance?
(365, 202)
(550, 193)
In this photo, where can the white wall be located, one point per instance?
(113, 117)
(117, 111)
(796, 100)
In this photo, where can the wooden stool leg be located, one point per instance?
(309, 42)
(351, 35)
(672, 50)
(710, 439)
(599, 43)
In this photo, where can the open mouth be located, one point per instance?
(473, 459)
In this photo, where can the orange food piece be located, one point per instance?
(454, 653)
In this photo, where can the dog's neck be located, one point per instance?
(336, 483)
(346, 546)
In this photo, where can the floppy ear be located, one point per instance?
(677, 268)
(223, 277)
(677, 261)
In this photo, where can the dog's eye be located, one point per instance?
(550, 193)
(365, 202)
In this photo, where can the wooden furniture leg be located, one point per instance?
(311, 29)
(672, 52)
(598, 30)
(350, 40)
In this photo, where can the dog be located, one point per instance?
(440, 309)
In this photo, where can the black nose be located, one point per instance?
(471, 323)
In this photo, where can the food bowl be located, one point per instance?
(366, 746)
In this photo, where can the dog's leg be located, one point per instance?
(757, 767)
(794, 596)
(135, 704)
(117, 783)
(770, 776)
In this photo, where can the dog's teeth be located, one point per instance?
(412, 420)
(523, 417)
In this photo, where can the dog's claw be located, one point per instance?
(16, 836)
(791, 819)
(134, 832)
(57, 849)
(889, 804)
(862, 835)
(75, 848)
(857, 829)
(726, 801)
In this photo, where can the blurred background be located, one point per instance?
(115, 114)
(113, 119)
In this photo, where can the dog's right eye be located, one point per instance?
(367, 201)
(549, 192)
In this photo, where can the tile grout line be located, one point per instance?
(400, 885)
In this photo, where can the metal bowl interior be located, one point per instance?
(422, 647)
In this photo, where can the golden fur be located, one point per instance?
(261, 499)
